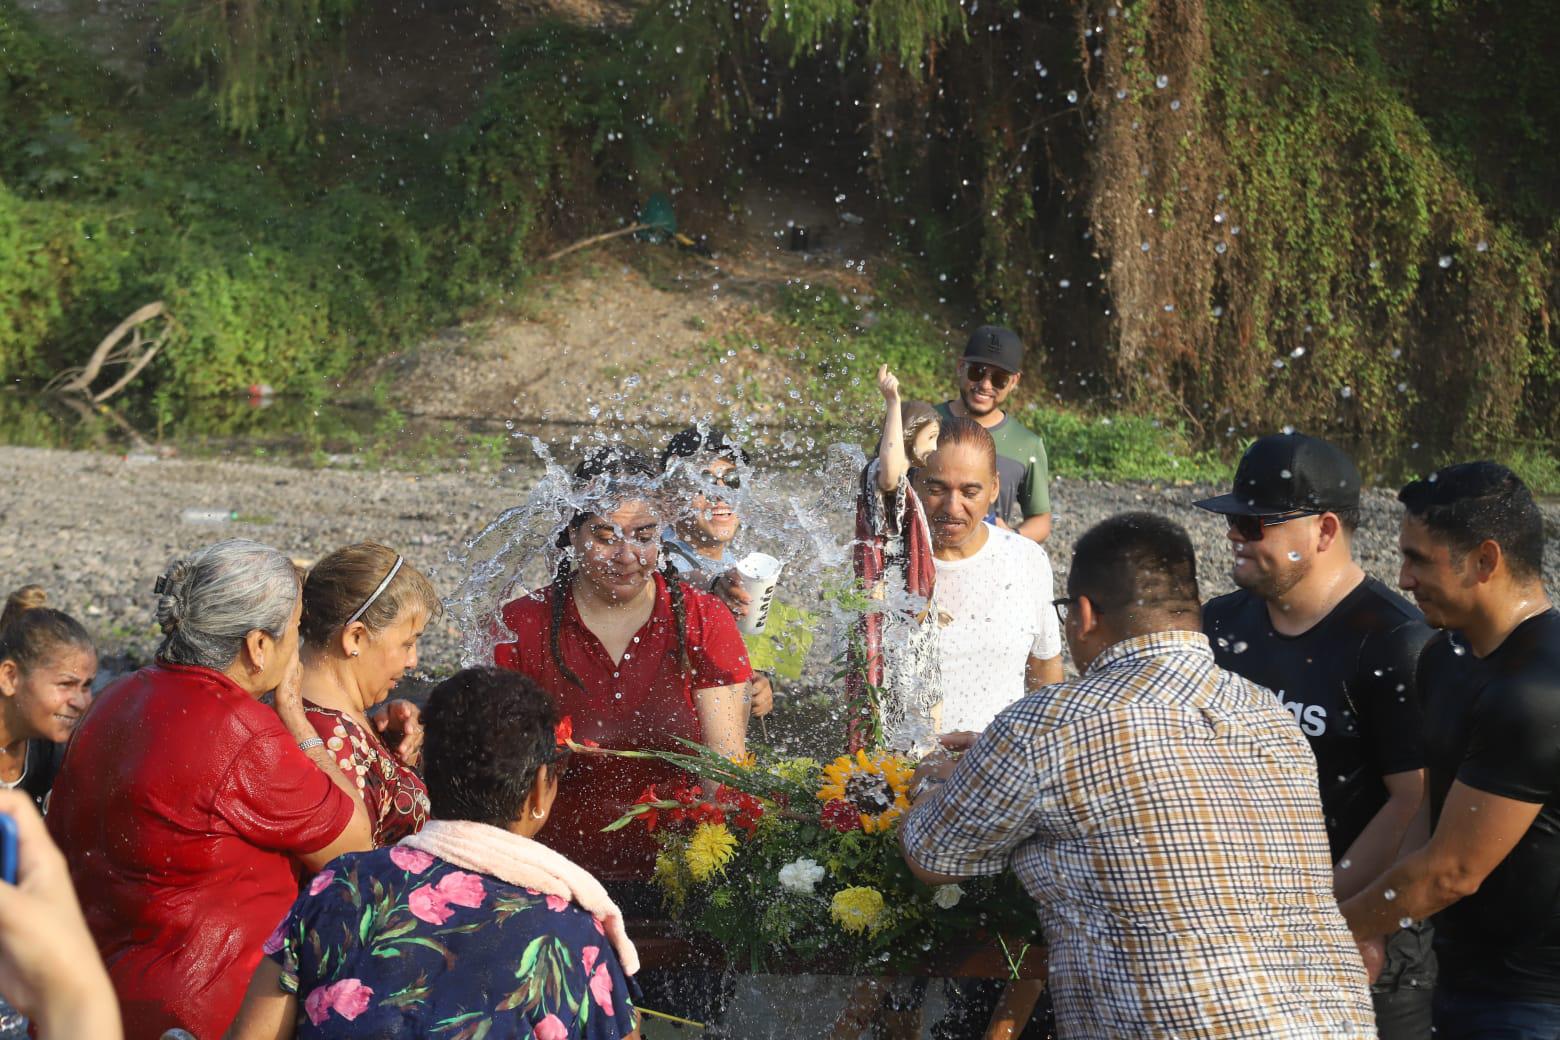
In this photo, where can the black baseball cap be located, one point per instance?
(993, 345)
(694, 441)
(1286, 472)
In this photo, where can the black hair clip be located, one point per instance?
(162, 585)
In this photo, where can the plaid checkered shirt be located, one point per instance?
(1164, 815)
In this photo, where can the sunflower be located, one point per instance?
(857, 909)
(875, 787)
(709, 850)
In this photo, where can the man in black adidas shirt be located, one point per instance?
(1341, 650)
(1472, 542)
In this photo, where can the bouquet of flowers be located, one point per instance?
(788, 861)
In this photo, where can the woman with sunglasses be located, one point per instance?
(422, 939)
(635, 656)
(699, 542)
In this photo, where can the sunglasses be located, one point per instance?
(730, 479)
(1250, 527)
(977, 374)
(1063, 606)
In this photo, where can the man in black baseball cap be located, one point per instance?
(1341, 650)
(989, 372)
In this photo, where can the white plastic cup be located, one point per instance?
(760, 574)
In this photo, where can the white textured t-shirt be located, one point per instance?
(998, 603)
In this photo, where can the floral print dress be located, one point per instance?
(399, 943)
(392, 792)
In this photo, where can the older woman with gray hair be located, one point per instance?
(186, 808)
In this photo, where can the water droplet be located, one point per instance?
(1143, 247)
(1389, 895)
(1065, 284)
(1297, 352)
(1346, 392)
(1218, 312)
(1285, 474)
(1162, 81)
(1121, 95)
(1405, 922)
(1345, 863)
(1072, 97)
(1219, 248)
(1294, 555)
(1240, 646)
(1482, 246)
(1445, 261)
(1175, 106)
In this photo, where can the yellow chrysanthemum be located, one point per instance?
(857, 909)
(709, 850)
(875, 786)
(747, 761)
(669, 875)
(797, 770)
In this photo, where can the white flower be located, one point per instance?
(947, 896)
(801, 876)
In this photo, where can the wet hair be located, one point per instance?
(959, 430)
(693, 442)
(1348, 518)
(1140, 572)
(343, 582)
(486, 731)
(211, 599)
(31, 632)
(615, 471)
(1472, 502)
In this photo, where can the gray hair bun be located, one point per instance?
(171, 607)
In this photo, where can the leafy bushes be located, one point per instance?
(278, 273)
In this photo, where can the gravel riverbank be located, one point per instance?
(96, 529)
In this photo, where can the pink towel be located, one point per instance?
(528, 864)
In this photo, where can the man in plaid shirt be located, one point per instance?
(1164, 815)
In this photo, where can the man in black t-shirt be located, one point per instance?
(1472, 542)
(1341, 651)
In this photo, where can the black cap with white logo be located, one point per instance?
(1288, 472)
(996, 346)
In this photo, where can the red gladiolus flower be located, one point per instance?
(651, 815)
(841, 816)
(564, 734)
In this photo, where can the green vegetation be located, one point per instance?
(1235, 213)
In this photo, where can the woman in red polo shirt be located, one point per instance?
(635, 657)
(185, 807)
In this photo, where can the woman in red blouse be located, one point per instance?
(635, 657)
(185, 808)
(364, 608)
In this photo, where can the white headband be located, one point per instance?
(394, 570)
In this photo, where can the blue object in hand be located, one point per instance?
(7, 849)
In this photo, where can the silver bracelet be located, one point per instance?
(311, 743)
